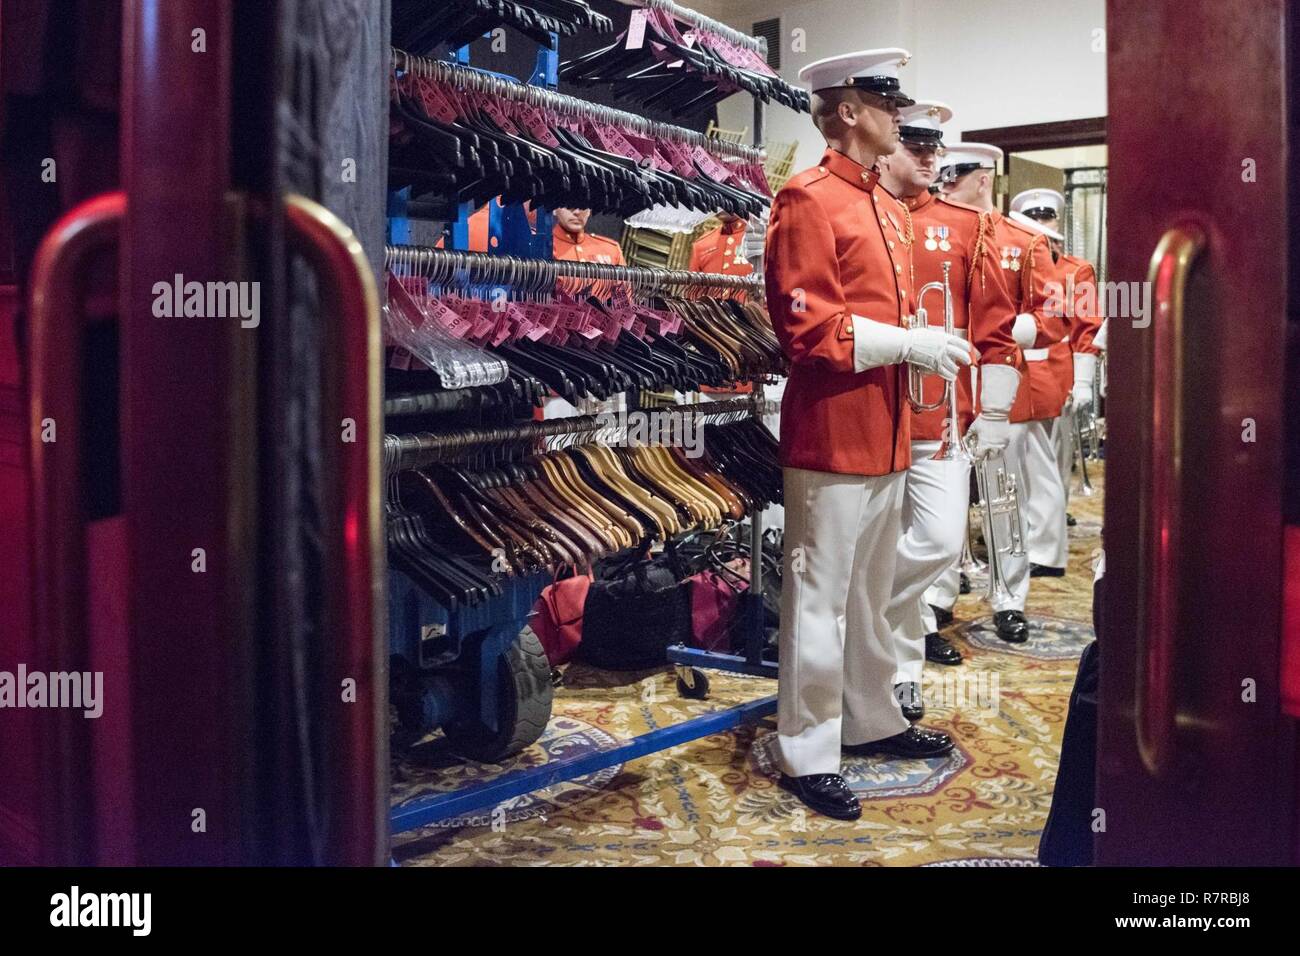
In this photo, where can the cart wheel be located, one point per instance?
(523, 705)
(697, 689)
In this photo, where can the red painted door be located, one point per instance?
(1196, 752)
(222, 741)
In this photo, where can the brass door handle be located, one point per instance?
(1159, 522)
(59, 577)
(354, 561)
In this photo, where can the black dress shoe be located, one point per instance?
(914, 742)
(1043, 571)
(1070, 520)
(939, 650)
(909, 699)
(942, 618)
(827, 793)
(963, 586)
(1012, 626)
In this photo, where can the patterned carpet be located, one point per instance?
(715, 801)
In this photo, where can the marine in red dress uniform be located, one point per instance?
(960, 238)
(969, 176)
(719, 250)
(839, 289)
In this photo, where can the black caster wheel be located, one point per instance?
(697, 689)
(524, 693)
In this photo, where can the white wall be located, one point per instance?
(995, 62)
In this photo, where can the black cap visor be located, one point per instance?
(886, 87)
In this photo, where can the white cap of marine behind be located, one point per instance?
(875, 71)
(922, 123)
(980, 155)
(1035, 225)
(1046, 202)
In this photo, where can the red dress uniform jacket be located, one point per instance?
(586, 247)
(839, 245)
(1085, 316)
(715, 251)
(981, 304)
(1080, 290)
(1034, 282)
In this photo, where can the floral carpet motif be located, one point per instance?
(715, 801)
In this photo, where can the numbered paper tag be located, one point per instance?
(636, 30)
(712, 168)
(492, 107)
(617, 143)
(611, 325)
(536, 123)
(679, 156)
(435, 102)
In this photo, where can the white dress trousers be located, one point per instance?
(1045, 495)
(1015, 571)
(835, 679)
(933, 523)
(774, 516)
(942, 593)
(1063, 438)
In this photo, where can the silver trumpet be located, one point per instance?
(1086, 443)
(968, 564)
(1083, 451)
(999, 503)
(952, 448)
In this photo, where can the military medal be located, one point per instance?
(1015, 260)
(929, 239)
(944, 244)
(1006, 264)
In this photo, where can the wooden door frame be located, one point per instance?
(1192, 769)
(1019, 139)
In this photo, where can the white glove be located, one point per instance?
(1099, 339)
(876, 344)
(1085, 368)
(991, 430)
(1025, 330)
(751, 245)
(936, 351)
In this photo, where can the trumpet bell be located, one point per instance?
(952, 451)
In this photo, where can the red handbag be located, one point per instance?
(557, 617)
(714, 596)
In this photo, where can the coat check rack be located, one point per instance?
(466, 78)
(443, 267)
(686, 15)
(420, 449)
(500, 620)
